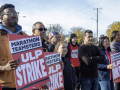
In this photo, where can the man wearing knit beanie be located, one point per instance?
(73, 54)
(54, 38)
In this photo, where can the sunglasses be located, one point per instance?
(41, 29)
(57, 36)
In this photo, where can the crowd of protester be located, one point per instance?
(85, 66)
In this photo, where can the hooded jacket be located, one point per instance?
(7, 78)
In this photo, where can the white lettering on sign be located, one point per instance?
(21, 45)
(30, 57)
(56, 81)
(117, 63)
(51, 69)
(55, 73)
(31, 71)
(115, 57)
(74, 53)
(116, 72)
(53, 59)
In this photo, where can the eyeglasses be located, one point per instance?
(106, 41)
(57, 36)
(11, 13)
(41, 29)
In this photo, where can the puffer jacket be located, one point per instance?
(7, 78)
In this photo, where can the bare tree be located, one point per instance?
(54, 27)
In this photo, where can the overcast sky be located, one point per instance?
(67, 13)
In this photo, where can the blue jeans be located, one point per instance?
(107, 85)
(89, 83)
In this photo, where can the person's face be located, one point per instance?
(9, 19)
(88, 38)
(106, 43)
(62, 49)
(117, 38)
(74, 40)
(37, 32)
(56, 38)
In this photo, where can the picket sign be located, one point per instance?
(115, 58)
(54, 70)
(32, 70)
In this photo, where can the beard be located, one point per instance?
(14, 24)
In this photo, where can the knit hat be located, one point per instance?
(72, 36)
(53, 33)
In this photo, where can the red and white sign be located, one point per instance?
(54, 70)
(32, 70)
(0, 87)
(115, 58)
(74, 53)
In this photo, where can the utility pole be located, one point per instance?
(50, 27)
(97, 20)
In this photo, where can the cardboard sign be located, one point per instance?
(115, 58)
(32, 70)
(54, 70)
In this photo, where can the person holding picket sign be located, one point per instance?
(105, 69)
(69, 74)
(115, 48)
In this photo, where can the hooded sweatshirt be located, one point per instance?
(18, 29)
(7, 78)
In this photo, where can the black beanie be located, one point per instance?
(72, 36)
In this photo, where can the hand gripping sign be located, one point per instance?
(54, 70)
(115, 58)
(32, 70)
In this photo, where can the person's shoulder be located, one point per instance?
(78, 45)
(44, 44)
(67, 59)
(50, 45)
(83, 46)
(94, 46)
(68, 45)
(113, 44)
(23, 33)
(102, 51)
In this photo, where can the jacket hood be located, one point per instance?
(18, 29)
